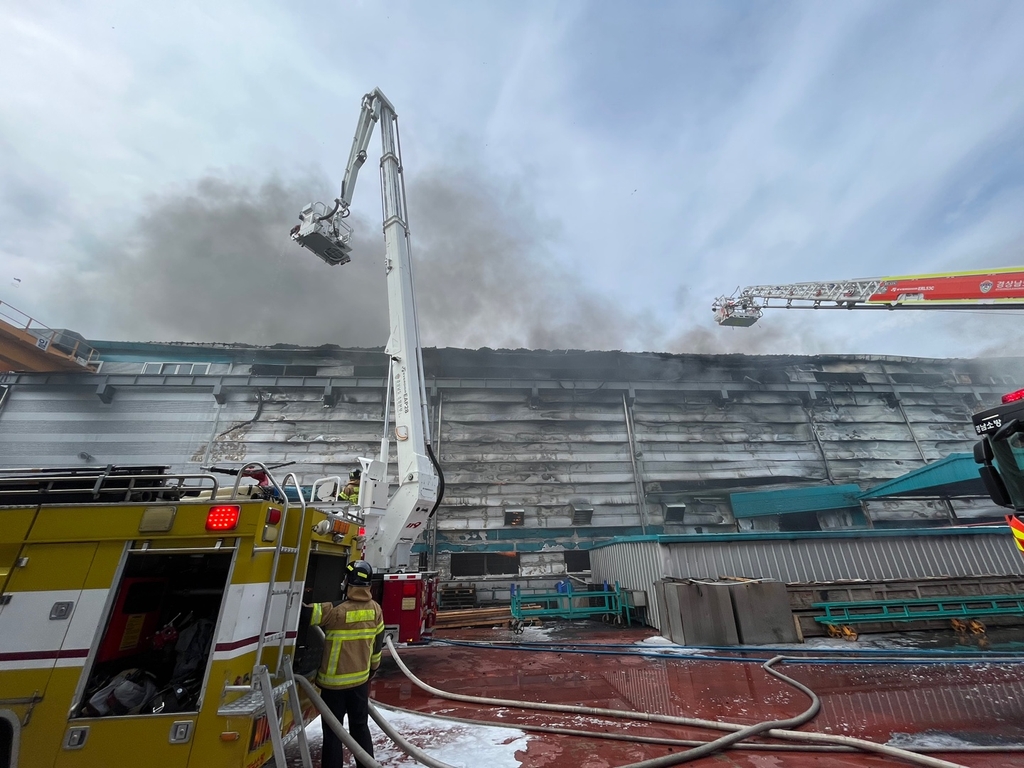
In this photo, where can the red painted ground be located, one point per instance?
(975, 704)
(979, 704)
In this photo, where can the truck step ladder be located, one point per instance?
(275, 636)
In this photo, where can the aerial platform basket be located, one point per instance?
(608, 602)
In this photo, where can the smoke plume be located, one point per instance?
(214, 262)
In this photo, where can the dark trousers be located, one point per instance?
(354, 702)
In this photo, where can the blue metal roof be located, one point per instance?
(814, 498)
(955, 475)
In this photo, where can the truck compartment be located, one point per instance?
(157, 639)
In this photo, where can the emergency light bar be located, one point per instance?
(1013, 397)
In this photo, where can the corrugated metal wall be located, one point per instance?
(634, 565)
(639, 564)
(825, 558)
(43, 428)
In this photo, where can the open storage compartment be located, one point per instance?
(157, 639)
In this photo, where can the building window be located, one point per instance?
(927, 379)
(839, 377)
(577, 560)
(262, 369)
(177, 369)
(514, 516)
(485, 564)
(799, 521)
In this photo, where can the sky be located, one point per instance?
(586, 175)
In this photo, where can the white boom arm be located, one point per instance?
(392, 524)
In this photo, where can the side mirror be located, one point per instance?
(995, 486)
(983, 452)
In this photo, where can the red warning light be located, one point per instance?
(1013, 397)
(362, 531)
(273, 516)
(223, 518)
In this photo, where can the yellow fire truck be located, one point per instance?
(153, 619)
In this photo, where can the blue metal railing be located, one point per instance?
(946, 607)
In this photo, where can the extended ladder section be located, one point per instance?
(1000, 289)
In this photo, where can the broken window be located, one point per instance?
(577, 560)
(799, 521)
(485, 564)
(263, 369)
(515, 516)
(839, 377)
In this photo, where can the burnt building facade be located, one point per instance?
(545, 453)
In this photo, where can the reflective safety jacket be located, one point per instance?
(355, 635)
(350, 493)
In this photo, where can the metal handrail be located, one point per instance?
(174, 482)
(24, 322)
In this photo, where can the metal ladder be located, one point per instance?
(261, 675)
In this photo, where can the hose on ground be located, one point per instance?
(404, 744)
(772, 649)
(729, 739)
(335, 725)
(896, 660)
(820, 738)
(634, 738)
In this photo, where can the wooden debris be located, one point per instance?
(475, 617)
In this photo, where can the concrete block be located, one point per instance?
(762, 613)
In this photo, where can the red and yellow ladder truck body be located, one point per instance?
(145, 616)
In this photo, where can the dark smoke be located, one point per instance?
(214, 263)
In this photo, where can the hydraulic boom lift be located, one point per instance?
(392, 524)
(984, 289)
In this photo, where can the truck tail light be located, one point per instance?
(362, 531)
(273, 516)
(1013, 397)
(222, 518)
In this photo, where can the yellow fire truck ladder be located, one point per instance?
(262, 693)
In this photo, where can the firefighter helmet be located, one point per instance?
(359, 573)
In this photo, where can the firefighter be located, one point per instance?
(350, 492)
(354, 631)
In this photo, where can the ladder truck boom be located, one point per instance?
(392, 524)
(1001, 288)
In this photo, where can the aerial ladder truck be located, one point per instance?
(999, 453)
(155, 618)
(1000, 449)
(989, 289)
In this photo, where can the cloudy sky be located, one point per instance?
(585, 175)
